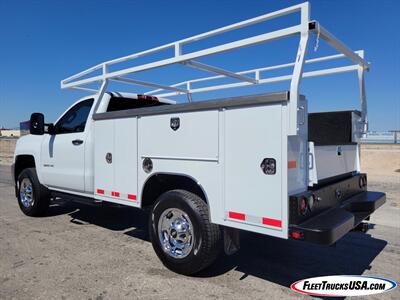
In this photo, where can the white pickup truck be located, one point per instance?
(207, 169)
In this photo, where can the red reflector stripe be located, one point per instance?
(100, 191)
(237, 216)
(131, 197)
(272, 222)
(115, 194)
(292, 164)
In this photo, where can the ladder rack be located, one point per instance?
(244, 78)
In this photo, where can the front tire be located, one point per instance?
(33, 198)
(181, 233)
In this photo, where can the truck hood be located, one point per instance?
(29, 145)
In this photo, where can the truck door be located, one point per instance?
(63, 153)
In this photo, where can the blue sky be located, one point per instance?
(43, 42)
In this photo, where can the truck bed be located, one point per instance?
(221, 144)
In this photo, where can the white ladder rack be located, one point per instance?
(244, 78)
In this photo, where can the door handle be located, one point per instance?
(77, 142)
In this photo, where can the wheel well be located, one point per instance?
(161, 183)
(22, 162)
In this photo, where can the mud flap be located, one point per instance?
(231, 240)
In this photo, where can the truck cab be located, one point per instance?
(63, 156)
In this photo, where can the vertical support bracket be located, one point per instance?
(100, 94)
(189, 94)
(363, 97)
(178, 49)
(312, 168)
(298, 69)
(102, 90)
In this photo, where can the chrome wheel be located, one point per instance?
(26, 193)
(175, 231)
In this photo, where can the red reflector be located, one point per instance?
(292, 164)
(115, 194)
(100, 191)
(131, 197)
(272, 222)
(296, 235)
(237, 216)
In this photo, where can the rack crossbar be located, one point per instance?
(150, 84)
(338, 45)
(278, 34)
(254, 71)
(223, 72)
(198, 37)
(323, 72)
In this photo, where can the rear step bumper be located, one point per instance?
(328, 227)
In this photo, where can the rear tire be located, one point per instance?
(33, 198)
(182, 235)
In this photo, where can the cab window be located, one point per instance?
(75, 119)
(120, 103)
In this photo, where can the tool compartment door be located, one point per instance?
(103, 171)
(251, 196)
(116, 161)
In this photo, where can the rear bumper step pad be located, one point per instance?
(328, 227)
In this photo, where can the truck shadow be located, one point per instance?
(276, 260)
(286, 261)
(131, 221)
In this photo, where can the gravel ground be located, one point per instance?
(83, 252)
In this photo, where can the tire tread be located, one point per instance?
(214, 236)
(211, 234)
(41, 193)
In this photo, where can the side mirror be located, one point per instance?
(51, 129)
(37, 124)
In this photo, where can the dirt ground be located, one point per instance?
(83, 252)
(7, 146)
(382, 164)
